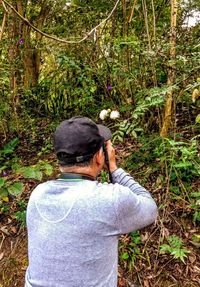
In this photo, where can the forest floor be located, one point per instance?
(144, 267)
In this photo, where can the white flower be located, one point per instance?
(114, 115)
(103, 114)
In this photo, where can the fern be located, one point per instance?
(175, 248)
(132, 126)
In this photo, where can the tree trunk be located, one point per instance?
(168, 111)
(30, 59)
(15, 25)
(3, 25)
(32, 54)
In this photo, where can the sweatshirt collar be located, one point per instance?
(75, 177)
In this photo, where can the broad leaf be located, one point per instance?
(16, 189)
(46, 167)
(2, 181)
(30, 172)
(3, 192)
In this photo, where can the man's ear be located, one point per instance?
(98, 157)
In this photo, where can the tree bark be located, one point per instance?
(32, 54)
(14, 53)
(31, 65)
(3, 25)
(168, 110)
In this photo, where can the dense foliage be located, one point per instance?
(141, 62)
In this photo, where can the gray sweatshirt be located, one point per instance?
(73, 229)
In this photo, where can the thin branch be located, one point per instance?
(132, 12)
(55, 38)
(3, 25)
(144, 6)
(4, 6)
(154, 21)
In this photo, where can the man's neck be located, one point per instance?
(80, 170)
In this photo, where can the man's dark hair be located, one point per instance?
(61, 158)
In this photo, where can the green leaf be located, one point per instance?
(2, 181)
(93, 89)
(15, 166)
(3, 192)
(197, 120)
(48, 169)
(16, 189)
(21, 217)
(133, 133)
(180, 253)
(125, 256)
(183, 164)
(30, 172)
(4, 166)
(196, 216)
(121, 133)
(9, 147)
(174, 241)
(195, 194)
(36, 174)
(165, 248)
(120, 138)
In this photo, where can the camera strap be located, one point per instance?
(107, 162)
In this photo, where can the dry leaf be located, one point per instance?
(146, 283)
(13, 229)
(4, 229)
(1, 255)
(145, 236)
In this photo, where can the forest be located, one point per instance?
(132, 65)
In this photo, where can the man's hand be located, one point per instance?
(111, 156)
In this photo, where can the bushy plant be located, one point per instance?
(129, 249)
(181, 158)
(14, 175)
(137, 122)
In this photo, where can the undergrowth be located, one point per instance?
(170, 169)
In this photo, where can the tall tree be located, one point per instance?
(168, 111)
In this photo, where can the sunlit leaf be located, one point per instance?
(5, 199)
(134, 134)
(124, 256)
(30, 172)
(197, 120)
(48, 169)
(16, 189)
(3, 192)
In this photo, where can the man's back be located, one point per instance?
(73, 230)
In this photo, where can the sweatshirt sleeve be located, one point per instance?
(135, 208)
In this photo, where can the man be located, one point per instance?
(74, 222)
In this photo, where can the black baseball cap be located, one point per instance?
(78, 139)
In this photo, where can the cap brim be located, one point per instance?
(104, 132)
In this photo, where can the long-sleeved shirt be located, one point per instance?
(73, 229)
